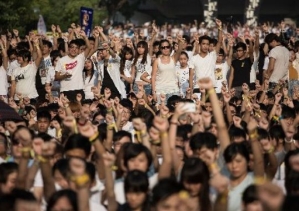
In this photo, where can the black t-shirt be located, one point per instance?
(242, 70)
(108, 83)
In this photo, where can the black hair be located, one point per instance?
(276, 132)
(271, 37)
(91, 39)
(292, 182)
(92, 70)
(45, 136)
(290, 203)
(57, 118)
(6, 169)
(126, 103)
(196, 171)
(204, 37)
(172, 101)
(221, 51)
(262, 133)
(75, 42)
(81, 42)
(91, 171)
(11, 52)
(156, 43)
(15, 141)
(236, 132)
(200, 140)
(184, 53)
(54, 54)
(25, 54)
(250, 195)
(43, 114)
(5, 139)
(124, 51)
(289, 154)
(182, 132)
(61, 165)
(163, 41)
(47, 43)
(233, 150)
(67, 193)
(77, 141)
(120, 134)
(102, 128)
(133, 150)
(145, 54)
(165, 189)
(136, 181)
(213, 41)
(288, 112)
(241, 45)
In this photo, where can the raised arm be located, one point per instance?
(39, 53)
(219, 25)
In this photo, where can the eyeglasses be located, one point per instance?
(165, 47)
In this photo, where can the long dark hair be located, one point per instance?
(196, 171)
(144, 57)
(92, 70)
(124, 51)
(69, 194)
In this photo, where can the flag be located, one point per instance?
(41, 26)
(86, 15)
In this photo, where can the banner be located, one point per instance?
(41, 26)
(86, 15)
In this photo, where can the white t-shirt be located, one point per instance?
(204, 66)
(25, 80)
(12, 66)
(220, 75)
(141, 68)
(73, 66)
(235, 193)
(3, 81)
(44, 69)
(96, 192)
(281, 66)
(120, 191)
(88, 83)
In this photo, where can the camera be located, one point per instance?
(20, 77)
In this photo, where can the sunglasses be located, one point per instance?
(165, 47)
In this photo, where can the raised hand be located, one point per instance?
(161, 124)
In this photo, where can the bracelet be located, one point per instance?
(112, 126)
(114, 168)
(173, 123)
(211, 91)
(155, 142)
(26, 149)
(81, 180)
(164, 116)
(271, 150)
(109, 110)
(184, 194)
(259, 180)
(163, 134)
(253, 135)
(42, 159)
(93, 138)
(290, 141)
(275, 118)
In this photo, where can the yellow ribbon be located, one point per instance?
(112, 126)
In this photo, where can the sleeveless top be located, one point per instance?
(166, 79)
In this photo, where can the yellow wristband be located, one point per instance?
(94, 137)
(163, 135)
(42, 159)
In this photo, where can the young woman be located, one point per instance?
(141, 64)
(8, 177)
(164, 80)
(90, 78)
(63, 200)
(125, 67)
(50, 80)
(195, 179)
(183, 73)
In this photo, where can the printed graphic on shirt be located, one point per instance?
(218, 73)
(43, 69)
(68, 67)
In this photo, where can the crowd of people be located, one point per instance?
(161, 118)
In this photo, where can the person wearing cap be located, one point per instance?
(109, 71)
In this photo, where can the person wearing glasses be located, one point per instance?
(164, 78)
(70, 67)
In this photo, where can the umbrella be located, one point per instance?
(8, 113)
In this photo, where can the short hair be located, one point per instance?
(47, 43)
(6, 169)
(67, 193)
(136, 181)
(250, 195)
(262, 133)
(204, 37)
(241, 45)
(133, 150)
(271, 37)
(77, 141)
(75, 42)
(91, 171)
(126, 103)
(120, 134)
(61, 165)
(43, 114)
(25, 54)
(203, 139)
(233, 150)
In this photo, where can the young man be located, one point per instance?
(69, 69)
(241, 68)
(203, 64)
(278, 59)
